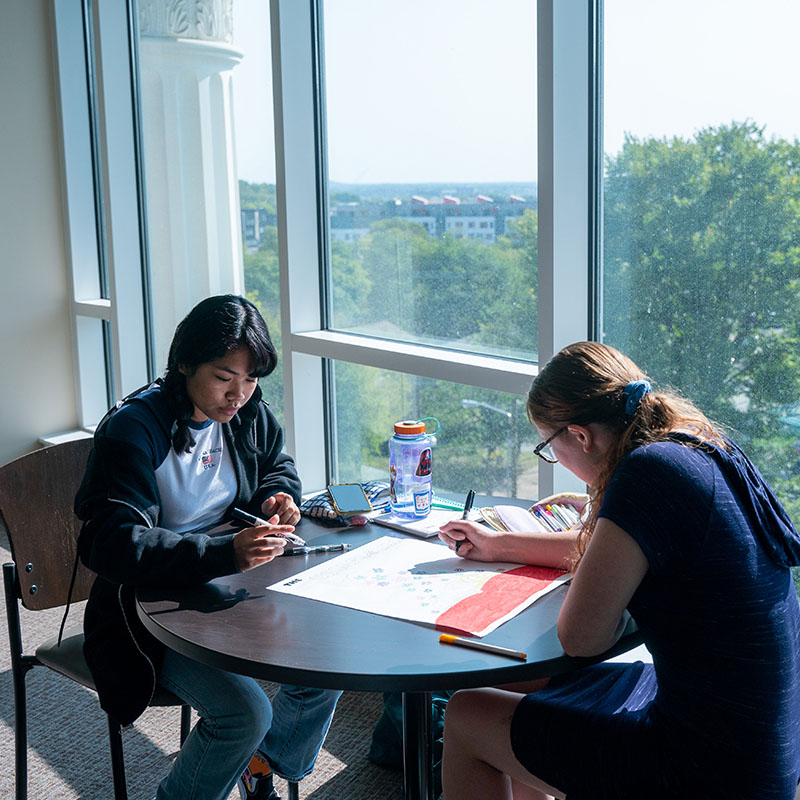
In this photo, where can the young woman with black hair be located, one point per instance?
(170, 462)
(684, 533)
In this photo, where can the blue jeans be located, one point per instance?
(236, 719)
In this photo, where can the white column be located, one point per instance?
(186, 63)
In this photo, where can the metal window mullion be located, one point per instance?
(300, 222)
(565, 136)
(82, 199)
(122, 190)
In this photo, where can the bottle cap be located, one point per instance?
(409, 427)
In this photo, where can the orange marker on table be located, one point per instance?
(447, 638)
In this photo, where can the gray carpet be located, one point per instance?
(68, 744)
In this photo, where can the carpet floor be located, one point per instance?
(68, 743)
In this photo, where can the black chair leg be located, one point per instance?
(294, 791)
(20, 738)
(20, 664)
(117, 760)
(186, 722)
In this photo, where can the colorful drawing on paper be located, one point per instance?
(423, 582)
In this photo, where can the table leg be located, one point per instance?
(417, 746)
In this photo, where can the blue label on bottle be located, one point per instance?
(422, 501)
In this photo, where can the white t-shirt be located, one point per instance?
(197, 487)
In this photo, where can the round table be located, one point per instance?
(236, 623)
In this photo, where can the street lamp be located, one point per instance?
(479, 403)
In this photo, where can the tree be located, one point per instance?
(257, 195)
(262, 286)
(702, 274)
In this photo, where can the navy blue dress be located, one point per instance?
(717, 714)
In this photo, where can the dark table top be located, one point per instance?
(237, 624)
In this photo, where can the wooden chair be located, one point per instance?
(36, 497)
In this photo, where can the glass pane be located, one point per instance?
(485, 442)
(208, 144)
(702, 213)
(432, 171)
(255, 160)
(91, 337)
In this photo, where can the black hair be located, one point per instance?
(213, 328)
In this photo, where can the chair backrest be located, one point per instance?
(37, 491)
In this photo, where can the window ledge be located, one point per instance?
(500, 374)
(66, 436)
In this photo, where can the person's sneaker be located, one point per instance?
(256, 781)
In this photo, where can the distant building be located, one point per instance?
(482, 219)
(254, 220)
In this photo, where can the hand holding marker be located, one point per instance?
(292, 538)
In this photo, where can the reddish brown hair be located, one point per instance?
(585, 383)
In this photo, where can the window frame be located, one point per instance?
(568, 154)
(97, 111)
(569, 160)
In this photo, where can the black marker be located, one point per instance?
(319, 548)
(467, 508)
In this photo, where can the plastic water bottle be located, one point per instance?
(410, 470)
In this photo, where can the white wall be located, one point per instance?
(37, 394)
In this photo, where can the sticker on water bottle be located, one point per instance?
(422, 501)
(424, 463)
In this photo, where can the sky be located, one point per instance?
(445, 90)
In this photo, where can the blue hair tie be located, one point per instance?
(633, 394)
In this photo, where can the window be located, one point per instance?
(101, 190)
(701, 222)
(432, 286)
(387, 144)
(482, 440)
(190, 215)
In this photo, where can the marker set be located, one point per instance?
(541, 517)
(556, 517)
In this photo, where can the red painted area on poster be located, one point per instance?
(499, 596)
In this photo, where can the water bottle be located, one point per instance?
(410, 470)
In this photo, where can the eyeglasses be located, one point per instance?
(543, 449)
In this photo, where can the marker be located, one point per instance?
(446, 638)
(564, 511)
(547, 519)
(468, 503)
(550, 516)
(293, 538)
(319, 548)
(560, 516)
(467, 508)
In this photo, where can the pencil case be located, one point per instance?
(319, 506)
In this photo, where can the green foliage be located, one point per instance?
(262, 286)
(400, 282)
(701, 288)
(344, 197)
(702, 275)
(257, 195)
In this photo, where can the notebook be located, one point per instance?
(426, 526)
